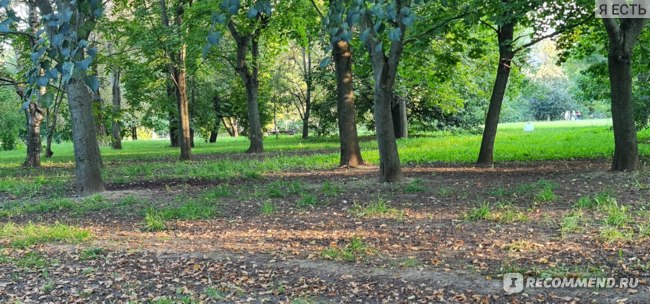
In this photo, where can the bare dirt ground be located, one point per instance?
(425, 250)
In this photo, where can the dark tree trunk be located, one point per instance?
(213, 135)
(86, 149)
(254, 126)
(35, 118)
(349, 140)
(506, 34)
(305, 121)
(400, 122)
(217, 119)
(192, 137)
(116, 130)
(622, 39)
(134, 133)
(251, 82)
(306, 61)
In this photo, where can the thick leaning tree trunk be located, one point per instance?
(35, 118)
(486, 154)
(86, 149)
(622, 39)
(116, 129)
(348, 137)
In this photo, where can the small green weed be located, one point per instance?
(355, 250)
(415, 186)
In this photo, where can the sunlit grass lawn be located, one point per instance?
(590, 139)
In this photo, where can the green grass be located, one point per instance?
(91, 253)
(617, 216)
(331, 189)
(550, 141)
(601, 201)
(191, 210)
(267, 208)
(75, 207)
(415, 186)
(610, 234)
(508, 214)
(571, 223)
(378, 208)
(353, 251)
(307, 200)
(154, 220)
(23, 236)
(482, 212)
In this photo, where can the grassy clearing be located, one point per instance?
(31, 234)
(550, 141)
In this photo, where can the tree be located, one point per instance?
(623, 35)
(178, 74)
(66, 51)
(345, 109)
(246, 23)
(547, 20)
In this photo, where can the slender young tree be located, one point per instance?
(548, 19)
(178, 74)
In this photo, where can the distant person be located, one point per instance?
(567, 115)
(579, 115)
(573, 115)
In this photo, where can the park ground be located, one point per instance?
(290, 226)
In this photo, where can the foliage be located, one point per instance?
(11, 123)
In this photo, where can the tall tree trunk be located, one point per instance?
(622, 39)
(486, 154)
(116, 130)
(134, 133)
(35, 116)
(177, 71)
(251, 82)
(390, 168)
(348, 137)
(87, 158)
(214, 134)
(254, 126)
(307, 68)
(384, 70)
(305, 120)
(33, 112)
(400, 122)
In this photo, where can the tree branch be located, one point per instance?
(313, 2)
(551, 35)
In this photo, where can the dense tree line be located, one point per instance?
(185, 68)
